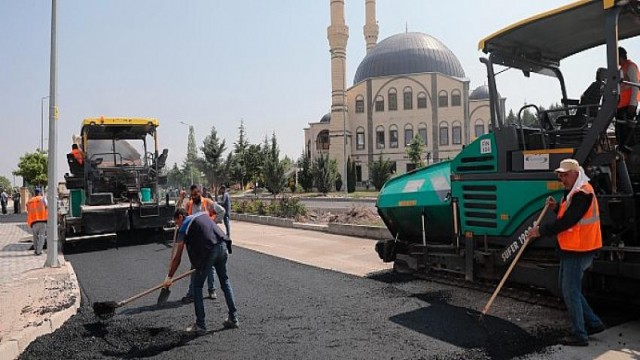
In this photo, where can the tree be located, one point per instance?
(380, 171)
(253, 163)
(305, 173)
(175, 177)
(351, 175)
(274, 169)
(511, 118)
(323, 176)
(212, 165)
(239, 167)
(415, 150)
(189, 165)
(33, 168)
(5, 184)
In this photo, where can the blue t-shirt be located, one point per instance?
(200, 234)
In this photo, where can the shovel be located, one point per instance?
(106, 309)
(513, 264)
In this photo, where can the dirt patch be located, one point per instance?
(356, 215)
(87, 337)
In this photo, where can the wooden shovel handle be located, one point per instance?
(149, 291)
(513, 263)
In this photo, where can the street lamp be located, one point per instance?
(188, 160)
(42, 122)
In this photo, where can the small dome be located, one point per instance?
(326, 118)
(480, 93)
(408, 53)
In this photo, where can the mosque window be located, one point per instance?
(422, 100)
(444, 133)
(379, 103)
(393, 137)
(359, 104)
(408, 98)
(422, 132)
(393, 99)
(360, 138)
(456, 133)
(322, 142)
(479, 128)
(443, 99)
(456, 98)
(408, 134)
(380, 137)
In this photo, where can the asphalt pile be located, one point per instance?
(85, 336)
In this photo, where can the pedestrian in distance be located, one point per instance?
(577, 229)
(628, 102)
(4, 199)
(206, 247)
(196, 205)
(226, 204)
(37, 215)
(16, 201)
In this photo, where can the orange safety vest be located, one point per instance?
(36, 210)
(206, 203)
(625, 90)
(78, 155)
(585, 235)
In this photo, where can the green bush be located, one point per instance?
(287, 207)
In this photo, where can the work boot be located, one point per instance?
(573, 340)
(195, 329)
(231, 324)
(596, 329)
(187, 299)
(212, 295)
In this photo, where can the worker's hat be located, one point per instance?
(567, 165)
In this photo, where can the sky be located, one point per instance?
(214, 63)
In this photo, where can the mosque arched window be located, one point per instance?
(422, 100)
(393, 99)
(393, 137)
(359, 104)
(443, 99)
(456, 98)
(407, 94)
(479, 128)
(360, 138)
(322, 142)
(444, 133)
(380, 137)
(379, 103)
(456, 133)
(408, 134)
(422, 132)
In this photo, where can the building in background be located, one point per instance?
(408, 84)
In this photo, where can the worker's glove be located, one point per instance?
(631, 112)
(167, 282)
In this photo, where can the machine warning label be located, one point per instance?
(485, 146)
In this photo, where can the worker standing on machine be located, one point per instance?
(577, 228)
(628, 103)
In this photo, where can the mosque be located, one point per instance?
(407, 84)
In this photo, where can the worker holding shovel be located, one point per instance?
(206, 247)
(577, 228)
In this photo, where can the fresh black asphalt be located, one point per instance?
(287, 311)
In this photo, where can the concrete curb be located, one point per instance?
(14, 346)
(363, 231)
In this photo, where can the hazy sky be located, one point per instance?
(211, 63)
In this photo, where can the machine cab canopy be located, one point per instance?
(118, 128)
(553, 35)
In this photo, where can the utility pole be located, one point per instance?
(52, 198)
(42, 122)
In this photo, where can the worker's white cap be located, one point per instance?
(567, 165)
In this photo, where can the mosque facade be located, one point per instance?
(409, 84)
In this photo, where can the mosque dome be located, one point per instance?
(480, 93)
(408, 53)
(326, 118)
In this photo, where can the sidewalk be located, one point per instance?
(33, 300)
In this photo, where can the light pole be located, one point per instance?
(189, 160)
(42, 122)
(52, 198)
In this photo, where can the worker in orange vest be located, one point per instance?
(197, 204)
(37, 215)
(577, 228)
(628, 103)
(77, 154)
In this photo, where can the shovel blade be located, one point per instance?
(163, 297)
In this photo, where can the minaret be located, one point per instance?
(371, 25)
(338, 34)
